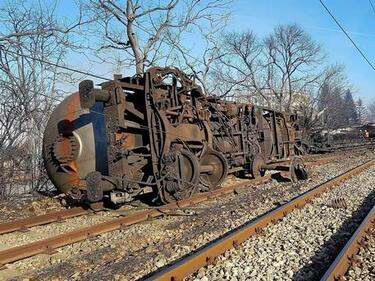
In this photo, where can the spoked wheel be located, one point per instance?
(297, 169)
(257, 164)
(180, 176)
(213, 169)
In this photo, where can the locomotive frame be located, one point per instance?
(160, 133)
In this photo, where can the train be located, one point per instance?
(321, 140)
(159, 135)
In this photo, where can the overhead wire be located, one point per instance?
(347, 35)
(2, 48)
(372, 5)
(55, 64)
(81, 72)
(88, 74)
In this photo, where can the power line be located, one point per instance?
(83, 72)
(372, 5)
(2, 48)
(55, 64)
(347, 35)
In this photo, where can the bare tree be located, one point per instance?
(329, 103)
(361, 111)
(371, 111)
(139, 28)
(206, 67)
(332, 78)
(29, 33)
(242, 66)
(293, 63)
(279, 71)
(203, 70)
(230, 63)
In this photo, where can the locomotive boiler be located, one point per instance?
(160, 134)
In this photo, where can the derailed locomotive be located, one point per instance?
(320, 140)
(160, 134)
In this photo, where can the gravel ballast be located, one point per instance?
(305, 242)
(364, 269)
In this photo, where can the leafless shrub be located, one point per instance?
(28, 93)
(371, 111)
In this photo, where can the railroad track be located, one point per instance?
(207, 254)
(49, 245)
(347, 257)
(58, 216)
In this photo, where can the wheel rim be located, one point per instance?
(218, 166)
(257, 164)
(183, 178)
(297, 170)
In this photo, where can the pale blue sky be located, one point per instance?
(262, 16)
(357, 17)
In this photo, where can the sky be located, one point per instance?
(357, 17)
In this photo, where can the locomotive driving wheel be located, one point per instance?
(180, 176)
(297, 169)
(213, 169)
(256, 166)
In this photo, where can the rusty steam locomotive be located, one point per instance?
(160, 134)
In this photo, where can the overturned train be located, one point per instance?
(320, 140)
(160, 134)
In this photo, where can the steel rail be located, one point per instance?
(324, 160)
(314, 161)
(346, 257)
(206, 254)
(25, 223)
(50, 244)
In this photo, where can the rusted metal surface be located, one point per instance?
(310, 160)
(160, 131)
(346, 257)
(324, 160)
(204, 255)
(320, 140)
(339, 203)
(50, 244)
(24, 224)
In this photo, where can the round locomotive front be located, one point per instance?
(74, 145)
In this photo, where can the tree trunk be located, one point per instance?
(139, 61)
